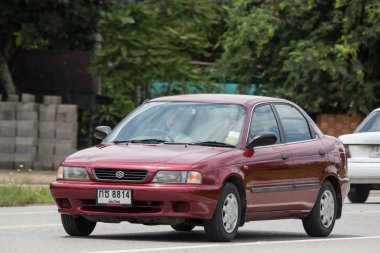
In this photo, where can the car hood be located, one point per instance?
(140, 155)
(361, 138)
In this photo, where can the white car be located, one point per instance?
(363, 152)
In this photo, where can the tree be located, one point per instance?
(322, 54)
(154, 39)
(44, 24)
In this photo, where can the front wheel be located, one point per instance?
(358, 193)
(184, 227)
(321, 220)
(77, 225)
(225, 222)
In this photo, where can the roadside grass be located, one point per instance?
(25, 187)
(20, 195)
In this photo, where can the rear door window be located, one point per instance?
(296, 127)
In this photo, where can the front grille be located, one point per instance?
(120, 174)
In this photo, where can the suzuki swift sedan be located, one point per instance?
(215, 161)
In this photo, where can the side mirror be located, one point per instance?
(101, 132)
(263, 139)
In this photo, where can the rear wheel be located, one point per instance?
(358, 193)
(321, 220)
(77, 225)
(185, 227)
(225, 222)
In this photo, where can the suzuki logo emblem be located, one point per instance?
(119, 174)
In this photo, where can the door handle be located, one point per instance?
(284, 156)
(322, 152)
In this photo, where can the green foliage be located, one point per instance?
(320, 54)
(44, 24)
(50, 24)
(107, 114)
(111, 114)
(154, 39)
(18, 195)
(143, 41)
(175, 88)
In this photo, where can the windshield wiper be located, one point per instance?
(121, 141)
(154, 141)
(212, 143)
(148, 141)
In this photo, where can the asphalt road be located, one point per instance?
(38, 229)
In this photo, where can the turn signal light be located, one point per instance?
(60, 173)
(194, 177)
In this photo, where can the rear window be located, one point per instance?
(372, 124)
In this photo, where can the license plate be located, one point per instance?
(113, 197)
(375, 152)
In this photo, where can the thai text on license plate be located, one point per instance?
(113, 197)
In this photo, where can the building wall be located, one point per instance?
(338, 124)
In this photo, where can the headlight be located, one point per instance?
(178, 177)
(72, 173)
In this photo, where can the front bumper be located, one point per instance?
(364, 173)
(148, 200)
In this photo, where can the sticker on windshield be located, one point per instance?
(232, 138)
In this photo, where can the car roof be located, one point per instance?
(218, 98)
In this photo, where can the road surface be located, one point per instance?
(38, 229)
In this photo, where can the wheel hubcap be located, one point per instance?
(327, 208)
(230, 213)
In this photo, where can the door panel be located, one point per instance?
(268, 180)
(307, 171)
(308, 156)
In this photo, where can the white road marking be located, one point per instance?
(360, 212)
(42, 212)
(29, 226)
(237, 244)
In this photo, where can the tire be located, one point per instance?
(183, 227)
(321, 220)
(358, 193)
(225, 222)
(77, 225)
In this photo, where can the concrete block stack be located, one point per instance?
(26, 132)
(66, 132)
(57, 132)
(7, 133)
(46, 132)
(34, 135)
(13, 98)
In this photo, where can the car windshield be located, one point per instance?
(182, 122)
(372, 124)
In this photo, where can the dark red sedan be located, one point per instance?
(216, 161)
